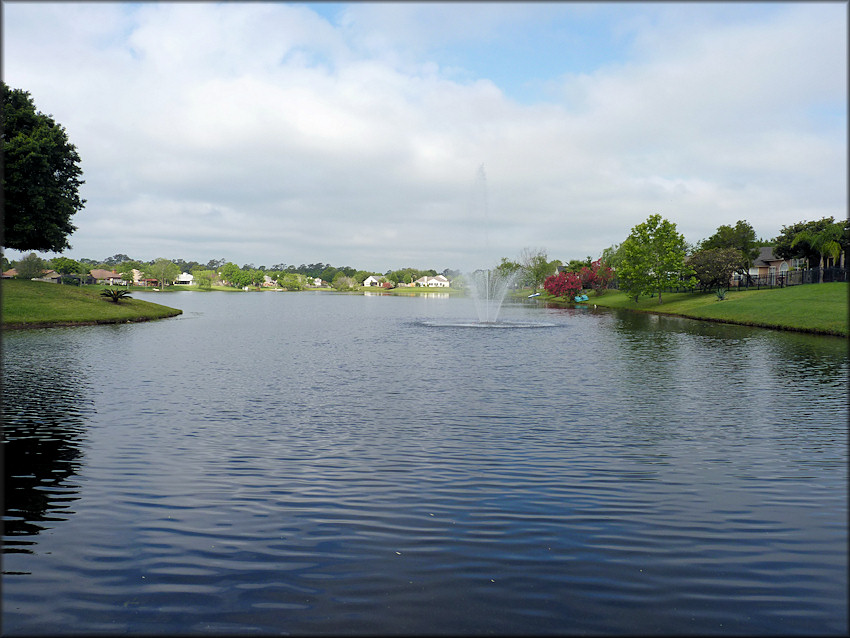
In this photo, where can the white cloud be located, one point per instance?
(263, 133)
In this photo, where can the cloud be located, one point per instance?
(267, 133)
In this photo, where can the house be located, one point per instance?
(109, 277)
(184, 279)
(768, 266)
(50, 276)
(432, 282)
(46, 275)
(372, 280)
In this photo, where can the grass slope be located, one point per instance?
(32, 304)
(817, 308)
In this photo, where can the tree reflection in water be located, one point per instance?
(44, 409)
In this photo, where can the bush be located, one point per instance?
(115, 295)
(564, 284)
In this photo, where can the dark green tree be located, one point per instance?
(785, 248)
(741, 237)
(714, 266)
(41, 177)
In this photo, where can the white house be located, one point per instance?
(184, 279)
(372, 280)
(432, 282)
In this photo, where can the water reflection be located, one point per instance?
(44, 413)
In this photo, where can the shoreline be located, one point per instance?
(40, 325)
(788, 309)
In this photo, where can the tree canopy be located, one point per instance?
(713, 267)
(741, 237)
(41, 177)
(785, 246)
(654, 259)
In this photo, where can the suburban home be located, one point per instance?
(50, 276)
(432, 282)
(109, 277)
(372, 280)
(184, 279)
(46, 275)
(768, 266)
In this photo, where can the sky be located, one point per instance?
(434, 135)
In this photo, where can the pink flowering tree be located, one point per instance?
(564, 284)
(597, 277)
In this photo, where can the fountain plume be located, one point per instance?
(488, 288)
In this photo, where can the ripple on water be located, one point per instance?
(377, 476)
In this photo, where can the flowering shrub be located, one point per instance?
(598, 276)
(564, 284)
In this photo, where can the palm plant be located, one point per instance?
(824, 242)
(115, 295)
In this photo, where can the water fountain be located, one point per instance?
(488, 287)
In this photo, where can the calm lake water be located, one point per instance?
(295, 463)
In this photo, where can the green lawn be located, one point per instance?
(28, 304)
(818, 308)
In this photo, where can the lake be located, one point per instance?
(321, 463)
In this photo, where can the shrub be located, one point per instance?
(564, 284)
(114, 295)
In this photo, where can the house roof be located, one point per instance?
(100, 273)
(766, 257)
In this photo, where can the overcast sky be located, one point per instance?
(354, 134)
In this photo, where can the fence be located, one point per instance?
(771, 280)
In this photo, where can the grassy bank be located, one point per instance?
(816, 308)
(36, 304)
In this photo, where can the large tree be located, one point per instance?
(713, 267)
(741, 237)
(41, 177)
(163, 270)
(654, 259)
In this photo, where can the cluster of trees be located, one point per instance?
(569, 283)
(655, 256)
(42, 177)
(217, 271)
